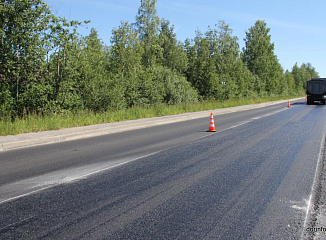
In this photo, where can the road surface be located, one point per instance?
(252, 179)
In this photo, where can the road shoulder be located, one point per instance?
(48, 137)
(316, 227)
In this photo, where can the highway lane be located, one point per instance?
(252, 179)
(30, 162)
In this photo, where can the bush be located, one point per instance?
(176, 88)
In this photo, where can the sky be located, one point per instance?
(297, 28)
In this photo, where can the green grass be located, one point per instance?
(36, 123)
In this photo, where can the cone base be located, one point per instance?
(211, 131)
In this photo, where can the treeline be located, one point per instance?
(46, 67)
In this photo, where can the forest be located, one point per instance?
(47, 67)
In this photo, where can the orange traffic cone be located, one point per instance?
(289, 105)
(211, 124)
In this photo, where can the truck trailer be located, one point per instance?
(316, 91)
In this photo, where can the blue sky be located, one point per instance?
(298, 28)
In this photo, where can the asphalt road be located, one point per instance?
(252, 179)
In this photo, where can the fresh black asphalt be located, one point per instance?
(252, 179)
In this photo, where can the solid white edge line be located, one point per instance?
(75, 179)
(310, 203)
(25, 194)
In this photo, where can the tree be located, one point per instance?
(147, 25)
(22, 34)
(214, 64)
(174, 87)
(202, 69)
(94, 80)
(173, 55)
(259, 56)
(126, 61)
(310, 71)
(289, 83)
(126, 51)
(63, 67)
(225, 51)
(303, 73)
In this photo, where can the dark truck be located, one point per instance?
(316, 90)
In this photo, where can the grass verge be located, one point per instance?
(36, 123)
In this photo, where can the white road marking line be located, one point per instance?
(238, 125)
(62, 180)
(269, 114)
(71, 179)
(24, 195)
(309, 204)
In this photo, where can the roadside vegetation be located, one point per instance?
(51, 77)
(35, 122)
